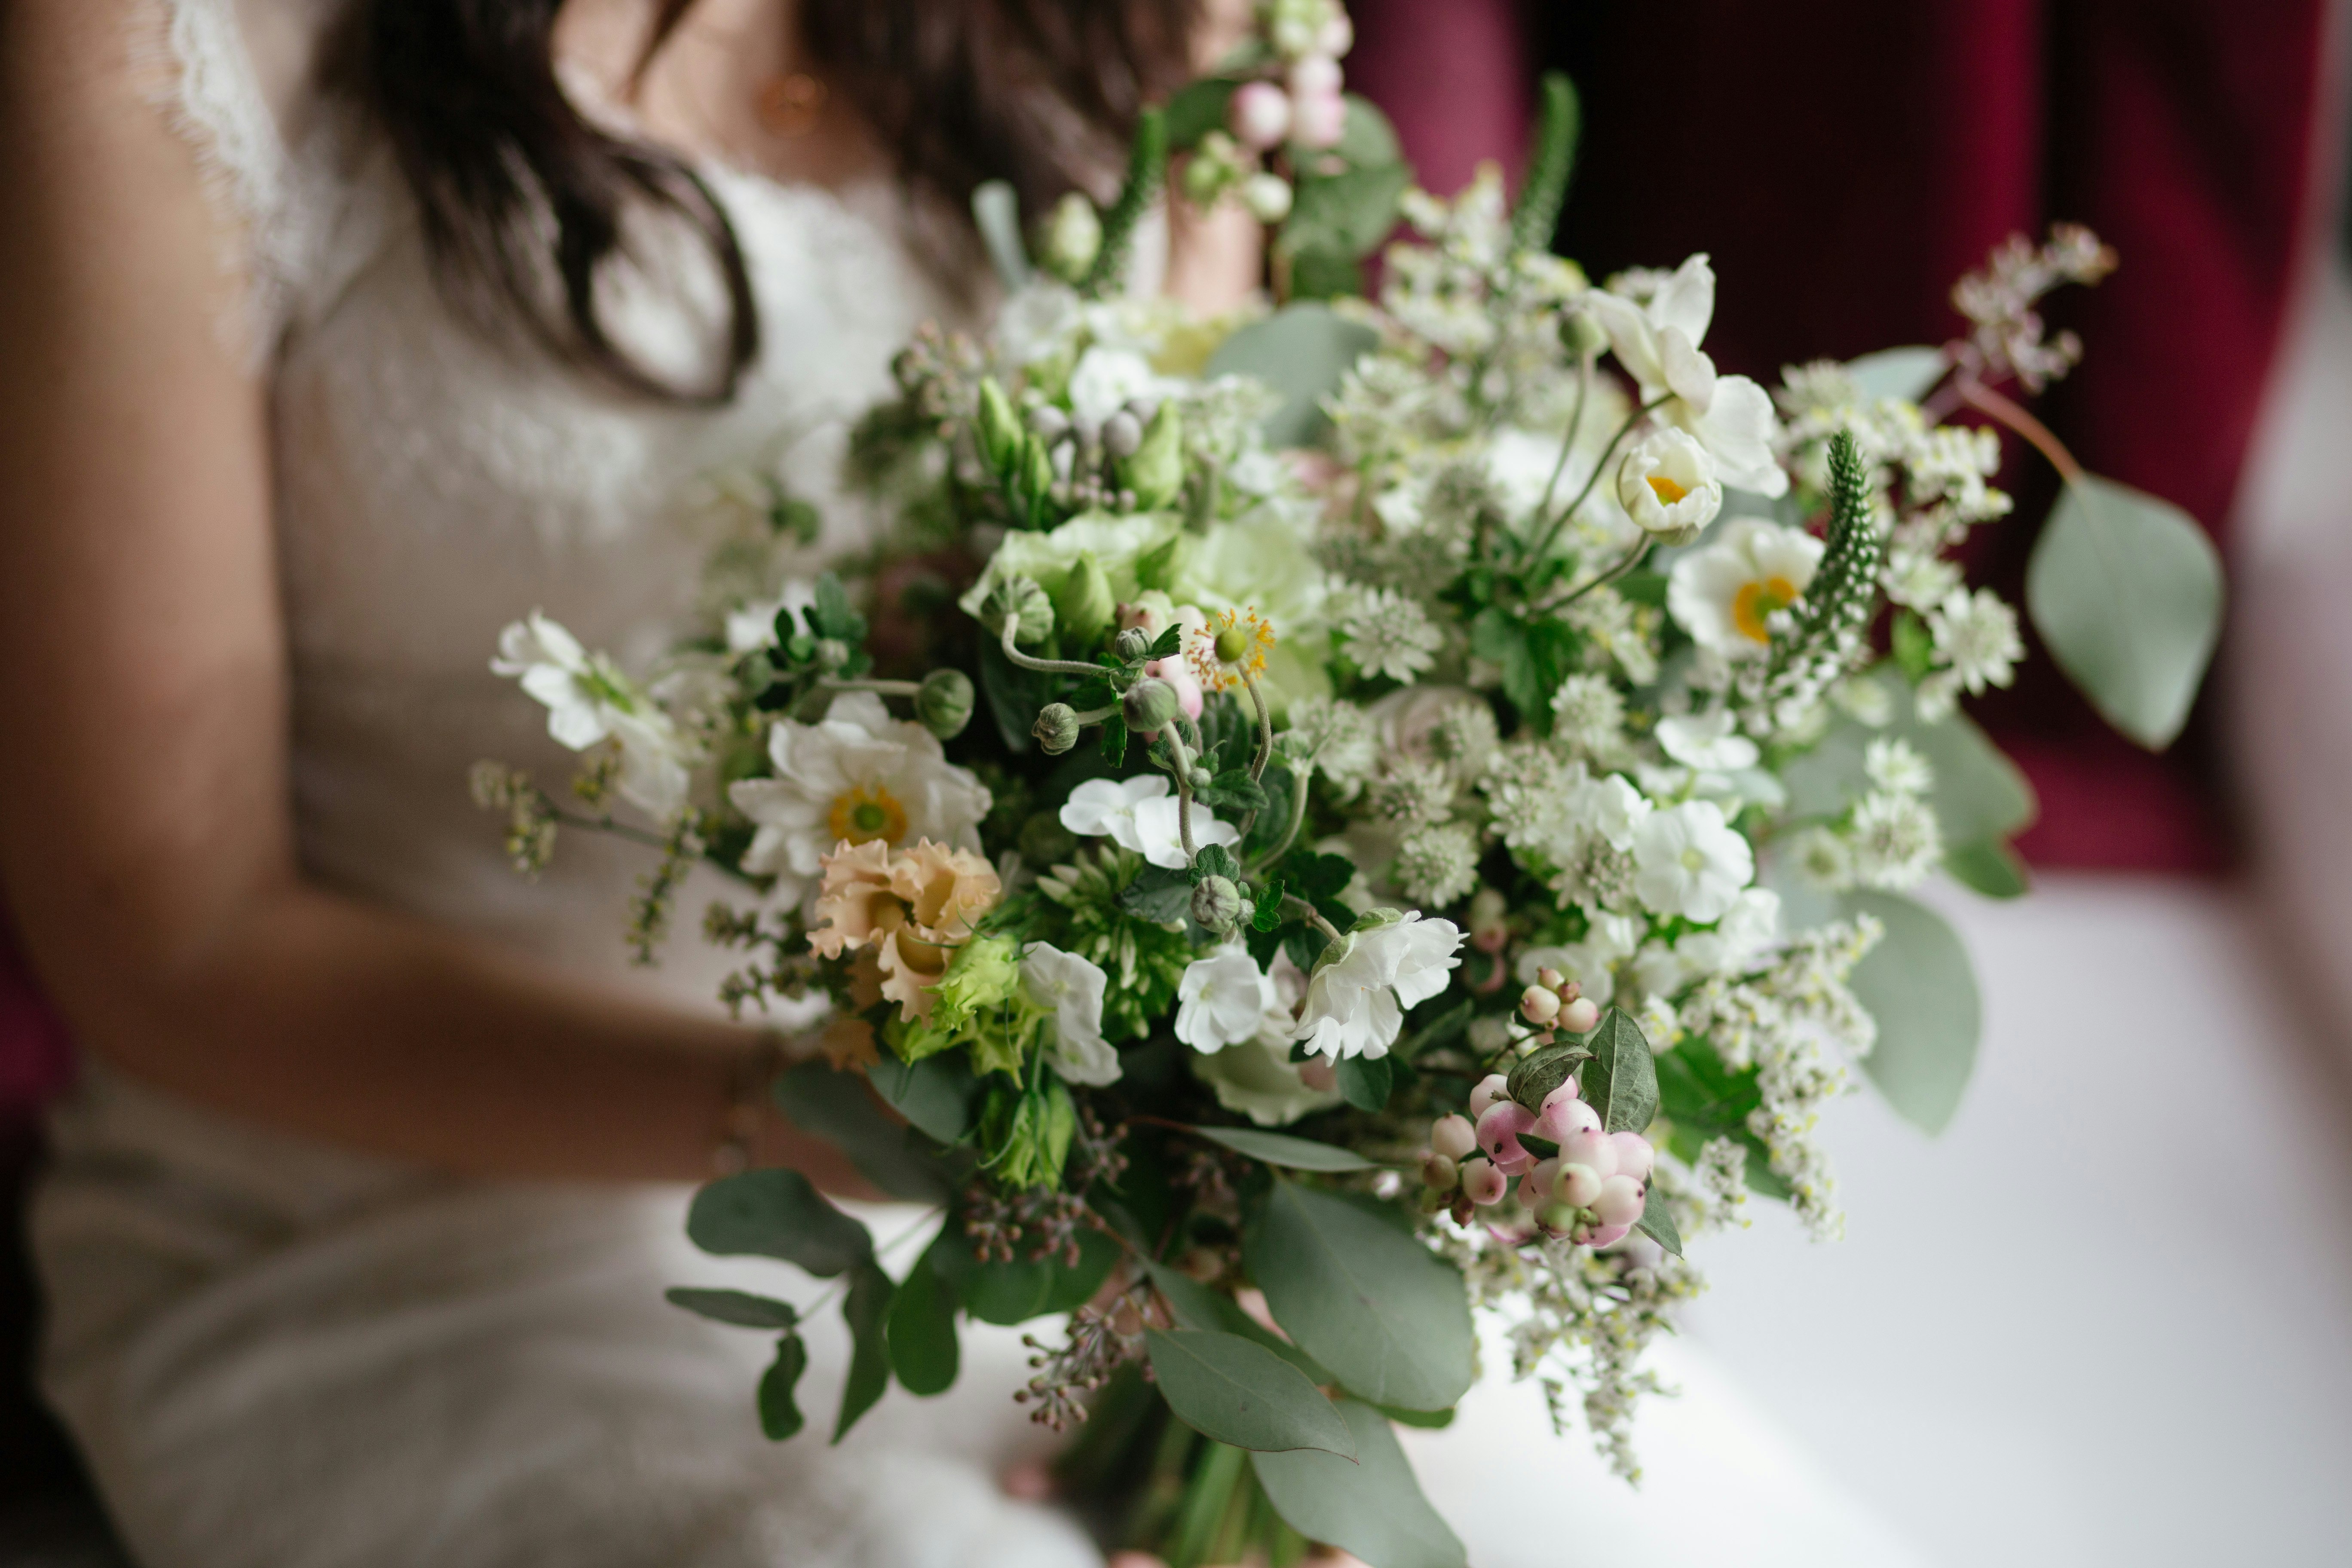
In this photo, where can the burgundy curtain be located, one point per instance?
(1844, 160)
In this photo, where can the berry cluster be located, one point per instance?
(1592, 1191)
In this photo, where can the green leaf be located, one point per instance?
(921, 1331)
(1214, 860)
(1913, 646)
(741, 1308)
(1301, 352)
(1158, 894)
(839, 1106)
(1114, 740)
(1197, 1306)
(1535, 1074)
(1621, 1080)
(1321, 274)
(1365, 1081)
(776, 1213)
(1363, 1297)
(996, 213)
(1374, 1507)
(1282, 1149)
(1169, 639)
(832, 615)
(780, 1415)
(1197, 108)
(1657, 1222)
(1234, 788)
(935, 1094)
(867, 1311)
(1429, 1420)
(1979, 795)
(1348, 213)
(1366, 137)
(1268, 914)
(1991, 868)
(1909, 373)
(1920, 985)
(1233, 1390)
(2126, 589)
(1322, 876)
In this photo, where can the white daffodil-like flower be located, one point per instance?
(1357, 997)
(1667, 484)
(753, 625)
(1894, 765)
(1223, 1000)
(1138, 814)
(1725, 594)
(1688, 861)
(1976, 634)
(855, 776)
(1071, 989)
(589, 700)
(1387, 634)
(1657, 342)
(1707, 742)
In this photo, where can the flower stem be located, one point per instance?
(1985, 400)
(1575, 428)
(1298, 781)
(1181, 764)
(1264, 751)
(1049, 666)
(1551, 532)
(1631, 559)
(1314, 916)
(881, 688)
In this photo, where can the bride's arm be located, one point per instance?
(146, 849)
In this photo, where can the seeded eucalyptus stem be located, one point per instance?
(1985, 400)
(1048, 666)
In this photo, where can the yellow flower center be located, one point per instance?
(867, 812)
(1668, 491)
(1755, 602)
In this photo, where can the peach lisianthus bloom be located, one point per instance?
(912, 907)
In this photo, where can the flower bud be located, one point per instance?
(1620, 1202)
(943, 703)
(1000, 431)
(1579, 1185)
(1480, 1183)
(1258, 114)
(1181, 682)
(1132, 644)
(1491, 1088)
(1453, 1136)
(1439, 1173)
(1024, 598)
(1489, 928)
(1155, 471)
(1072, 238)
(1550, 979)
(1634, 1156)
(1216, 903)
(1037, 476)
(1579, 1016)
(1268, 196)
(1149, 705)
(1539, 1005)
(1083, 608)
(1122, 433)
(1206, 176)
(1590, 1147)
(1056, 727)
(1318, 121)
(1667, 484)
(1579, 334)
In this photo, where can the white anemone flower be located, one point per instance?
(1707, 742)
(1667, 484)
(1357, 997)
(1071, 989)
(855, 776)
(1723, 595)
(588, 702)
(1657, 342)
(1138, 814)
(1688, 861)
(1223, 1000)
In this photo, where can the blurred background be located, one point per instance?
(2107, 1316)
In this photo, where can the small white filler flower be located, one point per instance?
(588, 701)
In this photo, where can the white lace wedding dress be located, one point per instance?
(279, 1354)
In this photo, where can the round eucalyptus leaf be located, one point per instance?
(1227, 1388)
(1920, 985)
(1373, 1506)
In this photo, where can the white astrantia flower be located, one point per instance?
(1071, 989)
(1895, 841)
(1894, 765)
(855, 776)
(1384, 633)
(1138, 814)
(1657, 342)
(1335, 735)
(1438, 864)
(1223, 1000)
(589, 700)
(1667, 485)
(1357, 997)
(1917, 579)
(1724, 594)
(1688, 861)
(1976, 634)
(1707, 742)
(1588, 715)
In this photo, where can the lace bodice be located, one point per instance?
(433, 485)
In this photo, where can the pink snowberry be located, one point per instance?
(1598, 1236)
(1491, 1088)
(1318, 121)
(1579, 1185)
(1579, 1016)
(1634, 1156)
(1480, 1183)
(1536, 1188)
(1258, 115)
(1563, 1114)
(1539, 1005)
(1439, 1174)
(1550, 979)
(1620, 1202)
(1453, 1136)
(1498, 1134)
(1591, 1147)
(1315, 76)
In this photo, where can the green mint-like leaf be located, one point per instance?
(1269, 906)
(1215, 860)
(780, 1414)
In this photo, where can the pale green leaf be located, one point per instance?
(1905, 372)
(776, 1213)
(1374, 1507)
(1992, 868)
(1197, 1306)
(1282, 1149)
(1301, 351)
(1233, 1390)
(1919, 984)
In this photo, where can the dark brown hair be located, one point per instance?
(524, 199)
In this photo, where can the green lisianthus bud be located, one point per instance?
(943, 705)
(1000, 428)
(1156, 472)
(1036, 478)
(1025, 597)
(1025, 1134)
(1085, 606)
(1056, 727)
(981, 975)
(1579, 334)
(1217, 904)
(1151, 704)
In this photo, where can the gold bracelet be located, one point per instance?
(748, 1081)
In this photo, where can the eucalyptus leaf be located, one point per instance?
(1989, 868)
(934, 1094)
(1233, 1390)
(1909, 373)
(867, 1311)
(1657, 1222)
(1620, 1083)
(1282, 1149)
(1347, 214)
(1197, 108)
(2126, 589)
(839, 1108)
(741, 1308)
(1197, 1306)
(1366, 137)
(1301, 352)
(921, 1331)
(1365, 1081)
(779, 1411)
(1374, 1507)
(1919, 984)
(1978, 793)
(1363, 1297)
(776, 1213)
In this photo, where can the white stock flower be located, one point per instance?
(1976, 634)
(1357, 997)
(1707, 742)
(1072, 990)
(1138, 814)
(1688, 861)
(855, 776)
(1387, 634)
(589, 700)
(1667, 484)
(1657, 342)
(1725, 594)
(1223, 1000)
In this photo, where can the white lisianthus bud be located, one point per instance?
(1267, 198)
(1667, 484)
(1258, 114)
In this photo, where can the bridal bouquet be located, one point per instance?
(1321, 829)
